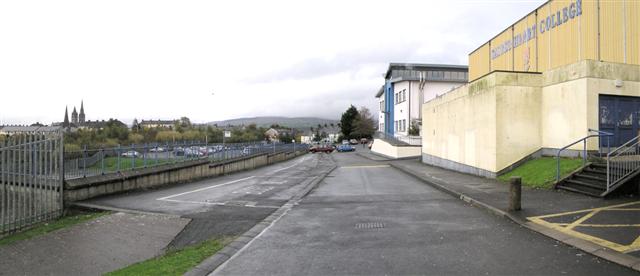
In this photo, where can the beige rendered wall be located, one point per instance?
(382, 147)
(460, 125)
(570, 99)
(518, 103)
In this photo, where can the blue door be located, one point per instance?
(619, 115)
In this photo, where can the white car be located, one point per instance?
(131, 153)
(157, 149)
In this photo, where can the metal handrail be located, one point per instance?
(624, 167)
(584, 148)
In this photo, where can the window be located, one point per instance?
(404, 125)
(395, 125)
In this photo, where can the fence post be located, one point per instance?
(118, 158)
(144, 155)
(515, 193)
(132, 150)
(102, 161)
(84, 161)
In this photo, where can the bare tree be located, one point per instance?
(364, 125)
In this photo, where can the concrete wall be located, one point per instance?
(382, 147)
(89, 187)
(492, 123)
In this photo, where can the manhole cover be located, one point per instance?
(370, 225)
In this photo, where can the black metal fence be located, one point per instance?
(126, 158)
(31, 179)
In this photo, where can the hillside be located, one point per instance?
(297, 122)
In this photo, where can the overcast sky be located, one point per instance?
(215, 60)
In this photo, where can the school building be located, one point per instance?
(553, 77)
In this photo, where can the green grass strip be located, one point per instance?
(46, 227)
(175, 262)
(541, 172)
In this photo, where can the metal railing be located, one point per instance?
(31, 182)
(599, 134)
(622, 162)
(127, 158)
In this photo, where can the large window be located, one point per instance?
(401, 96)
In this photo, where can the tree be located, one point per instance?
(135, 126)
(363, 125)
(347, 120)
(185, 122)
(414, 130)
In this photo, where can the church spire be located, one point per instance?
(81, 117)
(65, 123)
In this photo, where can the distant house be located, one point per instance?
(158, 123)
(332, 134)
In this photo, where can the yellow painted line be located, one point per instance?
(635, 244)
(596, 240)
(587, 210)
(582, 219)
(567, 228)
(365, 166)
(601, 225)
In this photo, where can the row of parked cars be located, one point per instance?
(194, 151)
(346, 146)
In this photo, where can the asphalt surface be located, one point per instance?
(227, 205)
(366, 218)
(92, 248)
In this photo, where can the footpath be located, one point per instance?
(607, 228)
(94, 247)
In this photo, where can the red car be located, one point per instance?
(324, 148)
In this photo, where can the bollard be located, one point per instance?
(515, 193)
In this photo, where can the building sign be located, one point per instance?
(558, 18)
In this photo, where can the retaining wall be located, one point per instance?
(94, 186)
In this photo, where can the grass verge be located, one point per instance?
(175, 262)
(541, 172)
(46, 227)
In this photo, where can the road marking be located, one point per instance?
(569, 227)
(222, 203)
(206, 188)
(365, 166)
(282, 169)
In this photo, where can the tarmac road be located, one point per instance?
(227, 205)
(366, 218)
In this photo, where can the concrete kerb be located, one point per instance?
(94, 207)
(210, 264)
(586, 246)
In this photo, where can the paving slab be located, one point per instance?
(92, 248)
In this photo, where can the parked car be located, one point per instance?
(364, 141)
(353, 141)
(131, 153)
(345, 148)
(157, 149)
(193, 152)
(345, 142)
(321, 148)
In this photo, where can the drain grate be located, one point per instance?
(370, 225)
